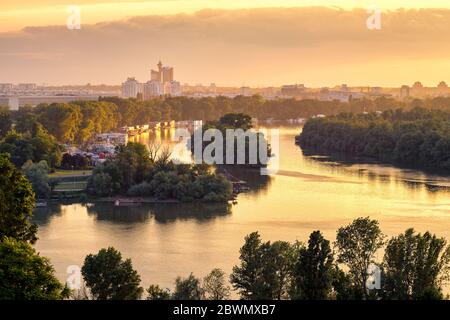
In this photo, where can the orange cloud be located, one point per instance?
(316, 46)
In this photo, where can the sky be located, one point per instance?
(246, 42)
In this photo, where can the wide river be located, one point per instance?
(308, 193)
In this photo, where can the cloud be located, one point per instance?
(252, 46)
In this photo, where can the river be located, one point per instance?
(308, 193)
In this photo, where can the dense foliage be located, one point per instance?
(414, 267)
(418, 137)
(36, 145)
(111, 278)
(210, 108)
(79, 121)
(231, 140)
(37, 174)
(72, 122)
(16, 203)
(25, 275)
(138, 171)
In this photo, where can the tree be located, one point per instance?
(313, 271)
(215, 286)
(101, 184)
(25, 275)
(415, 266)
(5, 121)
(109, 277)
(19, 148)
(357, 244)
(16, 203)
(265, 269)
(279, 261)
(236, 121)
(155, 292)
(62, 120)
(133, 161)
(247, 278)
(188, 288)
(36, 173)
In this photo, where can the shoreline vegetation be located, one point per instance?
(140, 172)
(419, 138)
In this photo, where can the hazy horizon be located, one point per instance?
(234, 46)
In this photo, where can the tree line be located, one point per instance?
(78, 121)
(134, 111)
(414, 267)
(418, 137)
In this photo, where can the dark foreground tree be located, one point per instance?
(188, 288)
(155, 292)
(415, 266)
(25, 275)
(313, 272)
(109, 277)
(215, 285)
(265, 269)
(16, 203)
(247, 277)
(357, 244)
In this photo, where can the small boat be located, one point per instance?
(127, 202)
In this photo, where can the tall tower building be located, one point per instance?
(167, 74)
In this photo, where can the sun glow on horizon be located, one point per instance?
(20, 14)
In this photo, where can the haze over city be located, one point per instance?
(230, 43)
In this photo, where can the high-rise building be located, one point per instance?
(442, 85)
(155, 75)
(131, 88)
(152, 88)
(246, 91)
(292, 89)
(417, 85)
(26, 86)
(6, 87)
(163, 74)
(167, 74)
(404, 91)
(172, 88)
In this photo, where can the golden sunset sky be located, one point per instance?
(20, 13)
(246, 42)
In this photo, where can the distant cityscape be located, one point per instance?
(163, 83)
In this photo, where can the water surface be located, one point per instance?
(308, 193)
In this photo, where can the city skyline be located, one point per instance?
(257, 47)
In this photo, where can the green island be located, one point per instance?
(419, 137)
